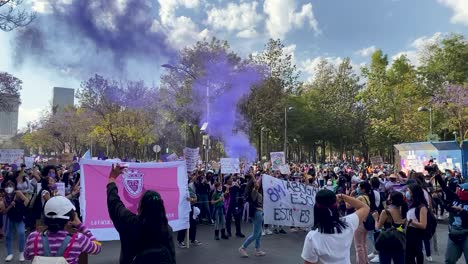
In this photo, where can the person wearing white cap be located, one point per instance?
(56, 242)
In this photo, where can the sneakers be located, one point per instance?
(268, 232)
(294, 230)
(182, 245)
(429, 259)
(9, 258)
(243, 253)
(21, 257)
(240, 235)
(263, 233)
(282, 231)
(259, 253)
(371, 255)
(375, 259)
(196, 243)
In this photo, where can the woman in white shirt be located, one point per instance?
(330, 232)
(417, 217)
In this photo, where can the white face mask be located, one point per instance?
(428, 181)
(9, 190)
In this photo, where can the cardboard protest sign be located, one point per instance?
(277, 160)
(191, 158)
(29, 162)
(230, 165)
(11, 156)
(287, 203)
(376, 161)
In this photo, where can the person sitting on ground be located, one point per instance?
(56, 241)
(145, 237)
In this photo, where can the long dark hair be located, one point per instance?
(417, 196)
(365, 186)
(397, 199)
(56, 224)
(152, 214)
(248, 188)
(326, 216)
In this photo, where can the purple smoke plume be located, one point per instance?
(83, 37)
(227, 83)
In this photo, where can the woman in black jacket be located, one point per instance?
(145, 237)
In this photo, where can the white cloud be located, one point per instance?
(418, 46)
(366, 52)
(282, 17)
(460, 9)
(289, 50)
(309, 66)
(240, 17)
(181, 30)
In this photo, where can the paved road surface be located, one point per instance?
(281, 249)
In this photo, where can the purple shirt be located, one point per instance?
(84, 243)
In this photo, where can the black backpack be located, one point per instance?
(431, 225)
(160, 255)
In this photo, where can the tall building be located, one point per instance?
(9, 116)
(63, 97)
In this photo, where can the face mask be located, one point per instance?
(9, 190)
(52, 174)
(53, 187)
(220, 190)
(428, 181)
(408, 195)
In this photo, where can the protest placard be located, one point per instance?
(287, 203)
(29, 162)
(230, 165)
(376, 161)
(284, 169)
(277, 160)
(169, 179)
(11, 156)
(191, 158)
(172, 157)
(60, 188)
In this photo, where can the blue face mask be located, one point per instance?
(52, 174)
(408, 196)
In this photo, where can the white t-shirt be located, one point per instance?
(331, 248)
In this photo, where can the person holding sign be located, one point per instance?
(330, 232)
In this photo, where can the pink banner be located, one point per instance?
(169, 179)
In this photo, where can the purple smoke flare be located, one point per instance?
(224, 84)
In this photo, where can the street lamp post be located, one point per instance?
(424, 109)
(286, 109)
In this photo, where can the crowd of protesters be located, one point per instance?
(354, 204)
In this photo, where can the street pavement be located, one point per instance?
(281, 249)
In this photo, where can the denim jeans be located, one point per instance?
(12, 227)
(454, 251)
(257, 231)
(204, 206)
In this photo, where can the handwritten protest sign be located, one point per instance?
(191, 158)
(11, 156)
(230, 165)
(277, 160)
(287, 203)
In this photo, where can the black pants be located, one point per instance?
(192, 230)
(386, 257)
(414, 246)
(237, 219)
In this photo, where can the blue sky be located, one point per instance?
(311, 30)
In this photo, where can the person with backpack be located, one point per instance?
(417, 223)
(145, 237)
(56, 244)
(391, 240)
(13, 207)
(366, 195)
(254, 196)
